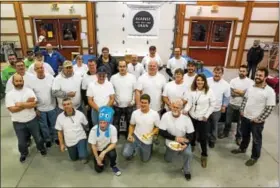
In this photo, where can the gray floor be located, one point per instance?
(224, 169)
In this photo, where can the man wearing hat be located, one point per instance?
(254, 57)
(30, 59)
(100, 93)
(67, 84)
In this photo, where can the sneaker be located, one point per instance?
(48, 144)
(116, 171)
(237, 151)
(188, 177)
(251, 162)
(22, 158)
(56, 142)
(43, 152)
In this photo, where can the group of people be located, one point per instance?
(83, 104)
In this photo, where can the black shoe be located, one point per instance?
(211, 144)
(221, 136)
(237, 151)
(48, 144)
(238, 141)
(29, 142)
(188, 177)
(56, 142)
(22, 158)
(43, 152)
(251, 162)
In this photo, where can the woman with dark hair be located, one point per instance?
(200, 105)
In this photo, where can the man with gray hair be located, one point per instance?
(178, 131)
(134, 67)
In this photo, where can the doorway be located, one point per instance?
(208, 41)
(63, 34)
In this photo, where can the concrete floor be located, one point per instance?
(224, 169)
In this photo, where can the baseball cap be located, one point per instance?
(101, 70)
(67, 63)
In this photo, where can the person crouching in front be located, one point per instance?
(103, 138)
(71, 125)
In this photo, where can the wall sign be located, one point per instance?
(143, 20)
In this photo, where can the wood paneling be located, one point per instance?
(83, 17)
(8, 18)
(90, 7)
(266, 5)
(257, 36)
(180, 15)
(210, 18)
(9, 34)
(231, 43)
(264, 21)
(222, 4)
(276, 37)
(244, 32)
(21, 27)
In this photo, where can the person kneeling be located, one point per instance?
(103, 139)
(178, 130)
(71, 125)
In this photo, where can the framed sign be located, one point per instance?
(143, 20)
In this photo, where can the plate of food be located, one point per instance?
(175, 146)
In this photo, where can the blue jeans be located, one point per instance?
(187, 156)
(78, 151)
(213, 126)
(94, 117)
(23, 130)
(145, 150)
(230, 115)
(48, 131)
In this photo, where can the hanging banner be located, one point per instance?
(143, 20)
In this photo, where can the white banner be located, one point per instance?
(143, 20)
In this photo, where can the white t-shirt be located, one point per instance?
(147, 59)
(153, 86)
(14, 96)
(100, 92)
(177, 127)
(137, 70)
(221, 89)
(174, 91)
(43, 91)
(48, 69)
(258, 99)
(87, 79)
(144, 123)
(28, 82)
(73, 84)
(174, 64)
(102, 141)
(205, 104)
(124, 88)
(72, 127)
(80, 70)
(241, 84)
(188, 80)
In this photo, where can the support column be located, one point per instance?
(91, 28)
(180, 22)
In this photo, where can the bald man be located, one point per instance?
(46, 105)
(39, 58)
(52, 57)
(21, 101)
(134, 67)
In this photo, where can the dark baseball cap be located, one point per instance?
(101, 70)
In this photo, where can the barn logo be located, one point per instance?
(143, 21)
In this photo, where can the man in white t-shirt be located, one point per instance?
(134, 67)
(256, 107)
(72, 125)
(46, 105)
(124, 84)
(174, 126)
(143, 126)
(21, 101)
(67, 84)
(221, 90)
(175, 90)
(238, 87)
(151, 83)
(39, 58)
(103, 139)
(190, 75)
(100, 93)
(152, 56)
(175, 63)
(27, 77)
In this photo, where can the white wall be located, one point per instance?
(110, 23)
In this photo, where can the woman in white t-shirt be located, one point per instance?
(200, 105)
(80, 68)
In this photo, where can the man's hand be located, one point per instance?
(181, 140)
(223, 109)
(99, 162)
(204, 119)
(138, 106)
(31, 99)
(130, 138)
(102, 155)
(256, 121)
(97, 109)
(19, 104)
(38, 113)
(71, 94)
(184, 146)
(241, 113)
(62, 147)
